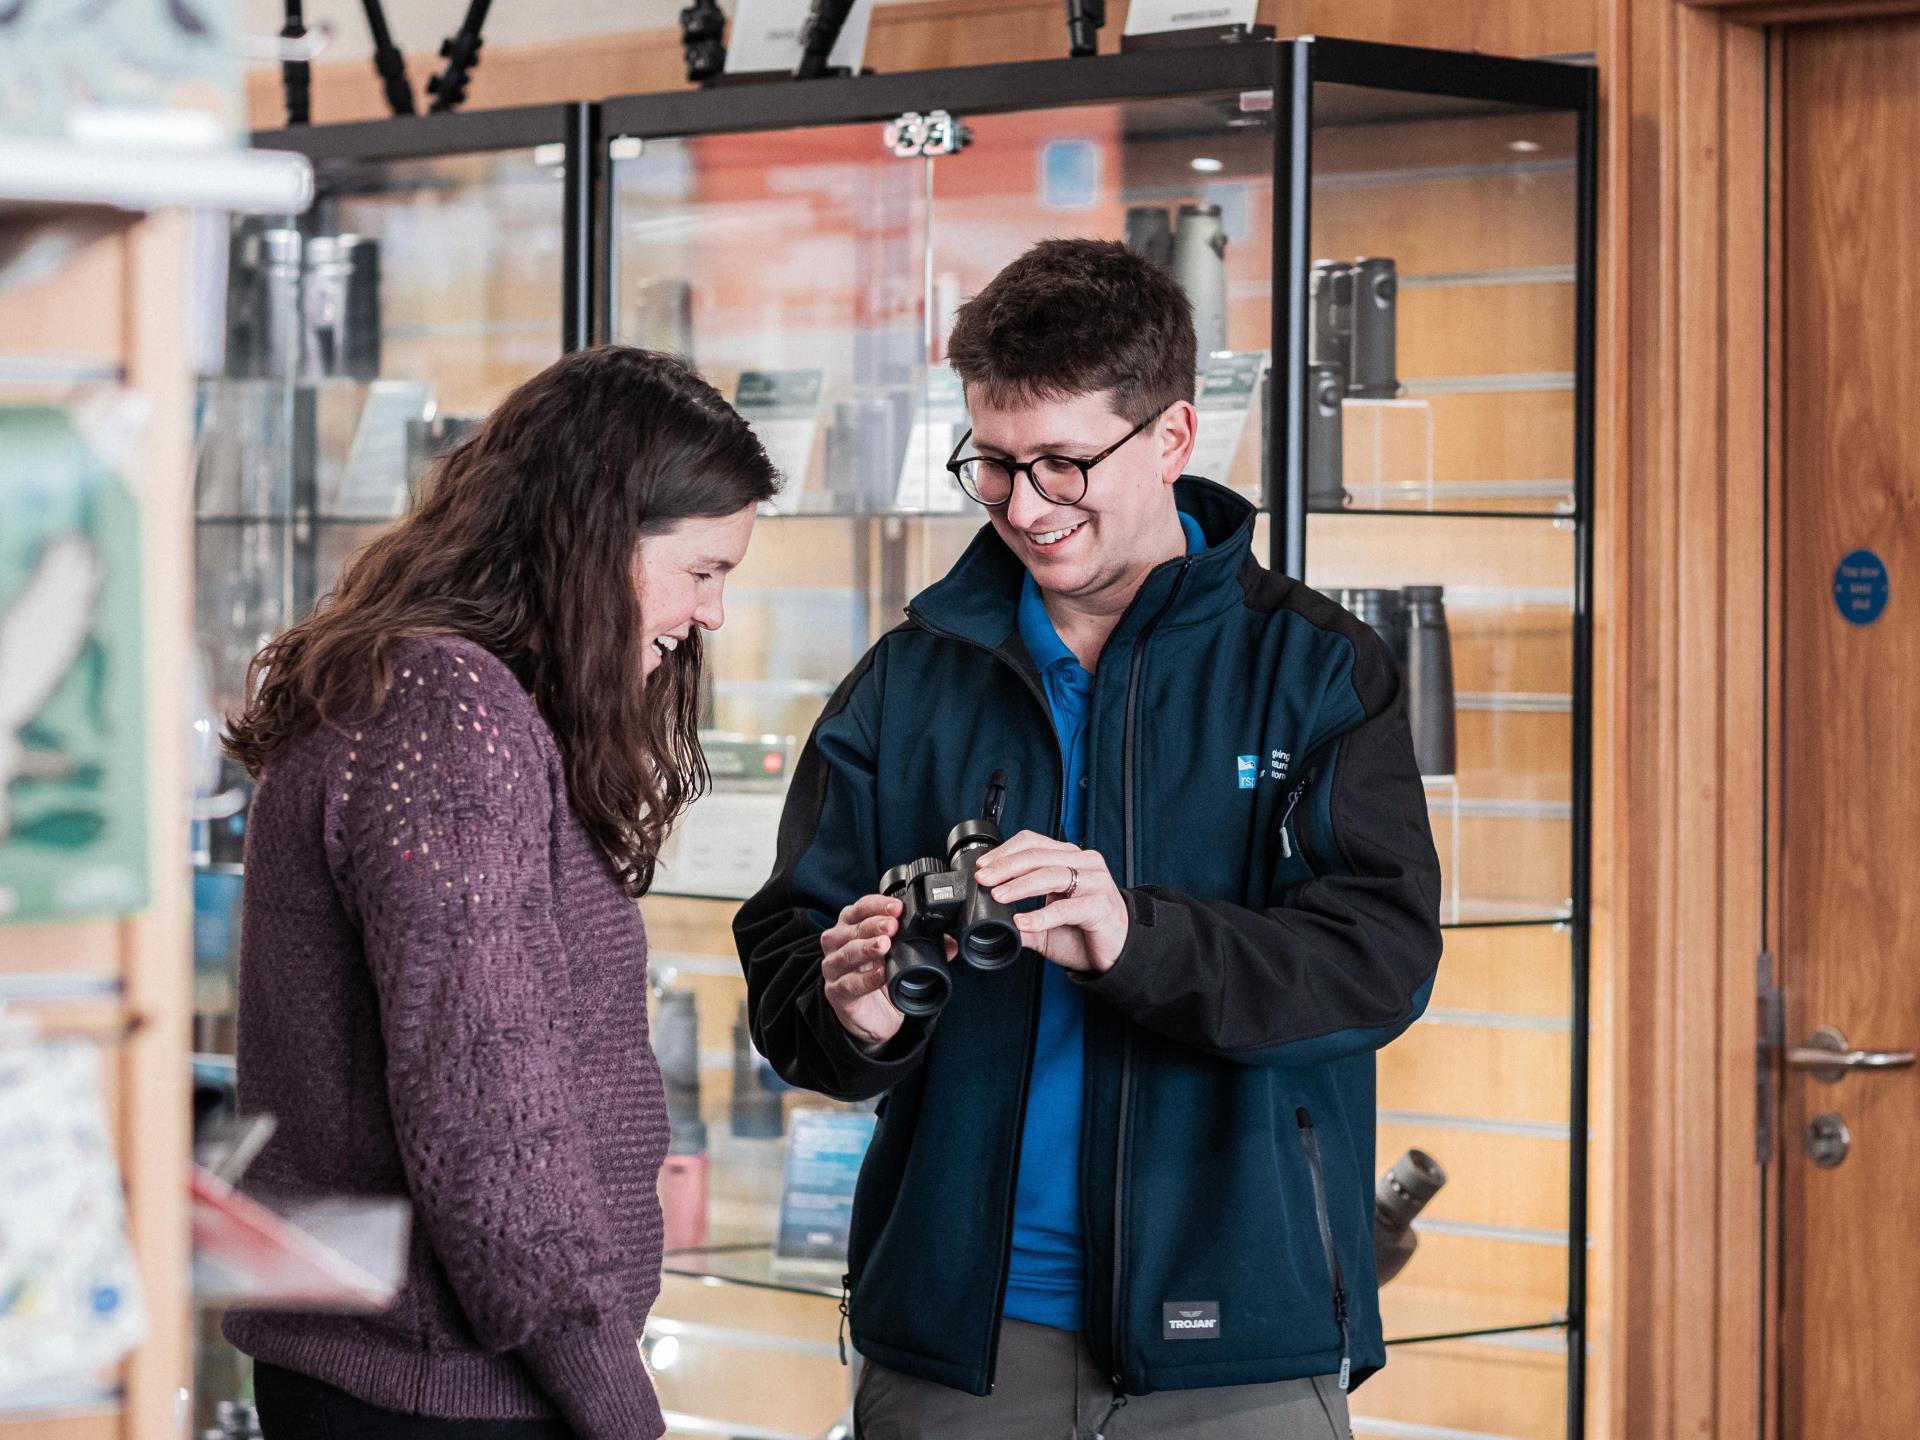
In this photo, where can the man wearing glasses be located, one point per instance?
(1122, 1186)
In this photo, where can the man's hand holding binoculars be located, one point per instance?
(1084, 927)
(854, 966)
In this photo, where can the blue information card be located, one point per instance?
(824, 1151)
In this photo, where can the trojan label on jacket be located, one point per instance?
(1190, 1320)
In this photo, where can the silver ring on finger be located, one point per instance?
(1073, 883)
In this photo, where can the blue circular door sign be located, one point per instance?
(1860, 587)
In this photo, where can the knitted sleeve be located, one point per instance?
(440, 834)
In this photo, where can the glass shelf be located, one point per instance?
(1413, 1315)
(1493, 915)
(754, 1264)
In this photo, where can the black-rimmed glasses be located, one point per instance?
(1061, 479)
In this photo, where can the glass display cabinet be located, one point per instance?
(434, 272)
(1390, 255)
(429, 278)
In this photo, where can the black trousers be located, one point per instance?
(298, 1407)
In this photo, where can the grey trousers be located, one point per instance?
(1046, 1387)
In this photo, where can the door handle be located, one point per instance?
(1828, 1057)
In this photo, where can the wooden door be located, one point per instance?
(1849, 945)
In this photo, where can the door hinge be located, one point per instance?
(1770, 1020)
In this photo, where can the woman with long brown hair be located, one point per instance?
(468, 758)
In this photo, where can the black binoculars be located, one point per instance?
(940, 897)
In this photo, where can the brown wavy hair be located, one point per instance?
(523, 542)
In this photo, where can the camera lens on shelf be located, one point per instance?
(1381, 609)
(1330, 337)
(340, 308)
(1326, 417)
(1200, 265)
(1375, 364)
(1428, 657)
(263, 304)
(1150, 234)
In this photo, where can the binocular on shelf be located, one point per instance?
(940, 897)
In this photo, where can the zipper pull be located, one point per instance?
(1293, 803)
(1346, 1347)
(845, 1292)
(1119, 1404)
(996, 797)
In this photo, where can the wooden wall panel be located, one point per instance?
(1686, 425)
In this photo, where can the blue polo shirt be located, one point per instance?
(1048, 1273)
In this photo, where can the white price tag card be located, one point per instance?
(1147, 17)
(1229, 387)
(723, 846)
(925, 482)
(765, 35)
(783, 407)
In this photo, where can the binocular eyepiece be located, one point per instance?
(940, 897)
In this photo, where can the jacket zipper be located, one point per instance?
(1116, 1327)
(1312, 1144)
(1033, 1009)
(1293, 803)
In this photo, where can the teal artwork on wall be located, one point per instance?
(73, 734)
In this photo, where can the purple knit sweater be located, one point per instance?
(443, 996)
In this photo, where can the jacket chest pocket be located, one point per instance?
(1299, 847)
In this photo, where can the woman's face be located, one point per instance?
(679, 576)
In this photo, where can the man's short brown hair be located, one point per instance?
(1076, 317)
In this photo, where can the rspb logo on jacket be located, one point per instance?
(1249, 771)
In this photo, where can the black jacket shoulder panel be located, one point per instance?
(1376, 674)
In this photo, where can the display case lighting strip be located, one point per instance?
(1515, 702)
(1509, 275)
(1516, 383)
(1496, 1020)
(1477, 1125)
(1503, 1234)
(1426, 174)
